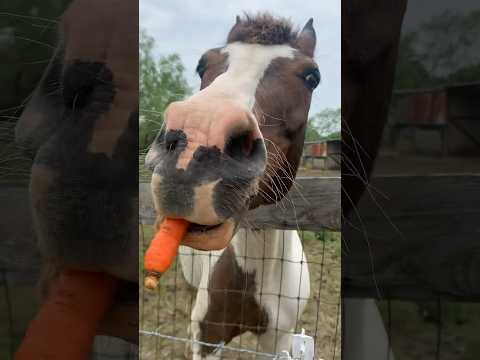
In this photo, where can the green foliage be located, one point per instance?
(441, 51)
(337, 135)
(161, 82)
(323, 235)
(410, 71)
(324, 125)
(311, 134)
(327, 236)
(466, 74)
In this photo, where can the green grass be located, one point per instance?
(144, 174)
(414, 329)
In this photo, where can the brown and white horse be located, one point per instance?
(234, 145)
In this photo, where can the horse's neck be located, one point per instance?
(263, 244)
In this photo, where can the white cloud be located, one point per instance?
(190, 27)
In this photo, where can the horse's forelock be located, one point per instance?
(262, 29)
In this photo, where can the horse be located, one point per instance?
(233, 146)
(369, 56)
(80, 127)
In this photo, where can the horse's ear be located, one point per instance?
(238, 23)
(307, 39)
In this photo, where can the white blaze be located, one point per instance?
(246, 66)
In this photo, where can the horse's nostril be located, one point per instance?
(240, 146)
(171, 145)
(173, 139)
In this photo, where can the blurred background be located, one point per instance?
(28, 38)
(412, 243)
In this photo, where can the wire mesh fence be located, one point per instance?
(431, 329)
(166, 314)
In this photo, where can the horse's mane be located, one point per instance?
(262, 28)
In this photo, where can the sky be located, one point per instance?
(190, 27)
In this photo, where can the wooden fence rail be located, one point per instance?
(313, 204)
(419, 235)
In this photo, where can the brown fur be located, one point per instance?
(369, 55)
(262, 29)
(232, 309)
(282, 122)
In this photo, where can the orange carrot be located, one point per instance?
(67, 322)
(163, 248)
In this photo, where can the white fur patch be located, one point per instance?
(246, 66)
(258, 252)
(203, 204)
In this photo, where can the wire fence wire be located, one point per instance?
(431, 329)
(165, 314)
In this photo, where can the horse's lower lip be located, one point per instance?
(216, 238)
(193, 227)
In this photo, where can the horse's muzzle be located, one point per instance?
(206, 162)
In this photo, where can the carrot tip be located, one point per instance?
(151, 282)
(164, 245)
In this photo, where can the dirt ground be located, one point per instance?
(317, 172)
(167, 310)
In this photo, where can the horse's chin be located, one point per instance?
(210, 237)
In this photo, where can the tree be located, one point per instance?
(410, 71)
(161, 82)
(446, 42)
(311, 134)
(324, 125)
(441, 51)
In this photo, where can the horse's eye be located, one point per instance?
(312, 79)
(201, 67)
